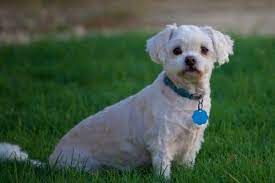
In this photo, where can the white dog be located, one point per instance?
(155, 126)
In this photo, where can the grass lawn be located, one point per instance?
(47, 87)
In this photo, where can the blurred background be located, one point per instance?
(21, 20)
(91, 54)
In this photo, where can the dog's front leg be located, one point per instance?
(162, 164)
(188, 159)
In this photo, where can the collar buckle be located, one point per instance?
(195, 96)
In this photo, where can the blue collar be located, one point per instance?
(180, 91)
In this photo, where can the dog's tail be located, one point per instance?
(10, 152)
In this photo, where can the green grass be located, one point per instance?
(47, 87)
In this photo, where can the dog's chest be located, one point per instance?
(181, 133)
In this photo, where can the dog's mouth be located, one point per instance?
(192, 71)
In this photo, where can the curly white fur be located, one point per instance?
(11, 152)
(155, 125)
(14, 152)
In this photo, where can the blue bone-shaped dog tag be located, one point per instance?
(200, 117)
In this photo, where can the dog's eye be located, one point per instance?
(204, 50)
(177, 51)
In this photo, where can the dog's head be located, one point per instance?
(189, 52)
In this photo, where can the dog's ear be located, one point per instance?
(222, 43)
(155, 45)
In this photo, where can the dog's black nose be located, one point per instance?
(190, 60)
